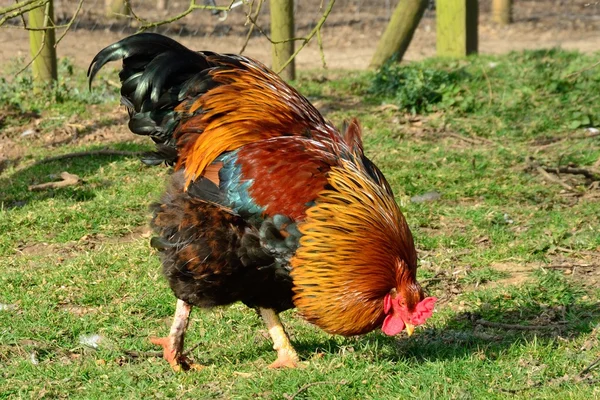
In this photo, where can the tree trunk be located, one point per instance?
(456, 27)
(502, 12)
(42, 46)
(399, 32)
(116, 8)
(282, 29)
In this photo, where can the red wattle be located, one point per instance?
(392, 326)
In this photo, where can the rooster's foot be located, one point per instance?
(175, 358)
(286, 361)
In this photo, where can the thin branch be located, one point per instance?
(312, 33)
(585, 136)
(574, 171)
(549, 177)
(68, 25)
(145, 24)
(30, 5)
(584, 252)
(590, 367)
(321, 50)
(189, 350)
(594, 65)
(308, 385)
(252, 25)
(262, 31)
(143, 354)
(17, 5)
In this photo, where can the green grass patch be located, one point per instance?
(80, 287)
(69, 96)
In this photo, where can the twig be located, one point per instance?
(590, 367)
(594, 65)
(557, 140)
(145, 24)
(189, 350)
(440, 276)
(574, 171)
(104, 152)
(67, 180)
(305, 40)
(429, 280)
(308, 385)
(461, 137)
(585, 135)
(585, 252)
(516, 391)
(70, 23)
(549, 177)
(19, 9)
(143, 354)
(252, 24)
(516, 327)
(312, 33)
(17, 5)
(567, 266)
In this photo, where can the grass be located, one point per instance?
(502, 244)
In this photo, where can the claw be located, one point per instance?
(285, 362)
(178, 361)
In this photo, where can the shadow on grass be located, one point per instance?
(463, 336)
(14, 188)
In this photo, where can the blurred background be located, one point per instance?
(350, 34)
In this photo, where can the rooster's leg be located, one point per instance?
(173, 344)
(286, 355)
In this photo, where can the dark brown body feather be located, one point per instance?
(212, 257)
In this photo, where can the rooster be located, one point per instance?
(269, 204)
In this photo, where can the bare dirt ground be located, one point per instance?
(350, 34)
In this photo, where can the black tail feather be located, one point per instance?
(157, 75)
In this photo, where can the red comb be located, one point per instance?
(423, 310)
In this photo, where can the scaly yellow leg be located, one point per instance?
(286, 355)
(173, 344)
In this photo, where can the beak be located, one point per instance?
(410, 328)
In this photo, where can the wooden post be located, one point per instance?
(42, 46)
(116, 8)
(502, 12)
(282, 28)
(456, 27)
(399, 32)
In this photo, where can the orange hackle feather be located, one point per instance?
(356, 248)
(250, 105)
